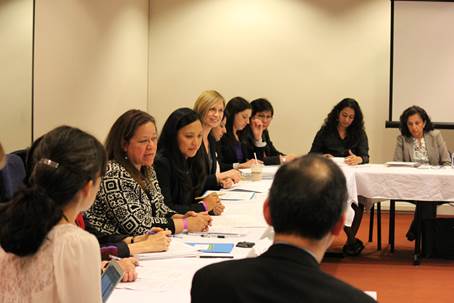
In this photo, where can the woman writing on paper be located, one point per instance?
(343, 135)
(234, 151)
(180, 167)
(419, 142)
(46, 257)
(129, 201)
(210, 106)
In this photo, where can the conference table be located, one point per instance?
(169, 278)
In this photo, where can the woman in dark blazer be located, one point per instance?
(419, 142)
(343, 135)
(179, 167)
(257, 137)
(210, 106)
(233, 151)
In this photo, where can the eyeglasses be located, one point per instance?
(264, 117)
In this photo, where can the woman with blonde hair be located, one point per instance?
(210, 106)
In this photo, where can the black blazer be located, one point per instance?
(268, 153)
(176, 196)
(210, 164)
(328, 141)
(282, 274)
(227, 153)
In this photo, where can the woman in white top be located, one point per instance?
(419, 142)
(48, 258)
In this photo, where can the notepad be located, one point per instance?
(402, 164)
(222, 248)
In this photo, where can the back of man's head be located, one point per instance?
(308, 197)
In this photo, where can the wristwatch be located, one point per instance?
(236, 165)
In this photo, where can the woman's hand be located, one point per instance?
(226, 183)
(153, 242)
(211, 201)
(233, 174)
(199, 222)
(257, 129)
(249, 163)
(129, 268)
(353, 159)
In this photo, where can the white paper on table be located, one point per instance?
(253, 186)
(177, 249)
(232, 195)
(403, 164)
(338, 160)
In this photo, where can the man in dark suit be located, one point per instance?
(306, 207)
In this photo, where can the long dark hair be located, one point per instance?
(412, 110)
(168, 147)
(234, 106)
(65, 159)
(357, 126)
(120, 133)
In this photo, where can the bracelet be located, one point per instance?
(185, 225)
(236, 165)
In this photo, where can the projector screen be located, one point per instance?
(422, 60)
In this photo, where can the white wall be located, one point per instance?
(90, 62)
(16, 28)
(304, 56)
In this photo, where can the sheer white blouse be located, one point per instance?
(66, 268)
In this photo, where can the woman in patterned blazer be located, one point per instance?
(129, 201)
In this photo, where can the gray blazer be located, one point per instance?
(436, 149)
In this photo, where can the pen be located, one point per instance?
(221, 235)
(214, 236)
(214, 193)
(112, 257)
(224, 257)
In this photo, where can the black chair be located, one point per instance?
(11, 177)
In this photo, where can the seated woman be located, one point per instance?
(179, 166)
(419, 142)
(129, 203)
(257, 137)
(343, 135)
(233, 152)
(50, 258)
(116, 247)
(210, 107)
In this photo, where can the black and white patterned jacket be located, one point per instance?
(123, 207)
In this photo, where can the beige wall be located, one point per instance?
(304, 56)
(90, 62)
(16, 27)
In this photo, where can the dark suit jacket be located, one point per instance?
(176, 197)
(328, 141)
(227, 153)
(268, 153)
(282, 274)
(210, 164)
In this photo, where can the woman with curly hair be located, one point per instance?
(343, 135)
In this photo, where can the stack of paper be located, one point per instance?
(177, 249)
(402, 164)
